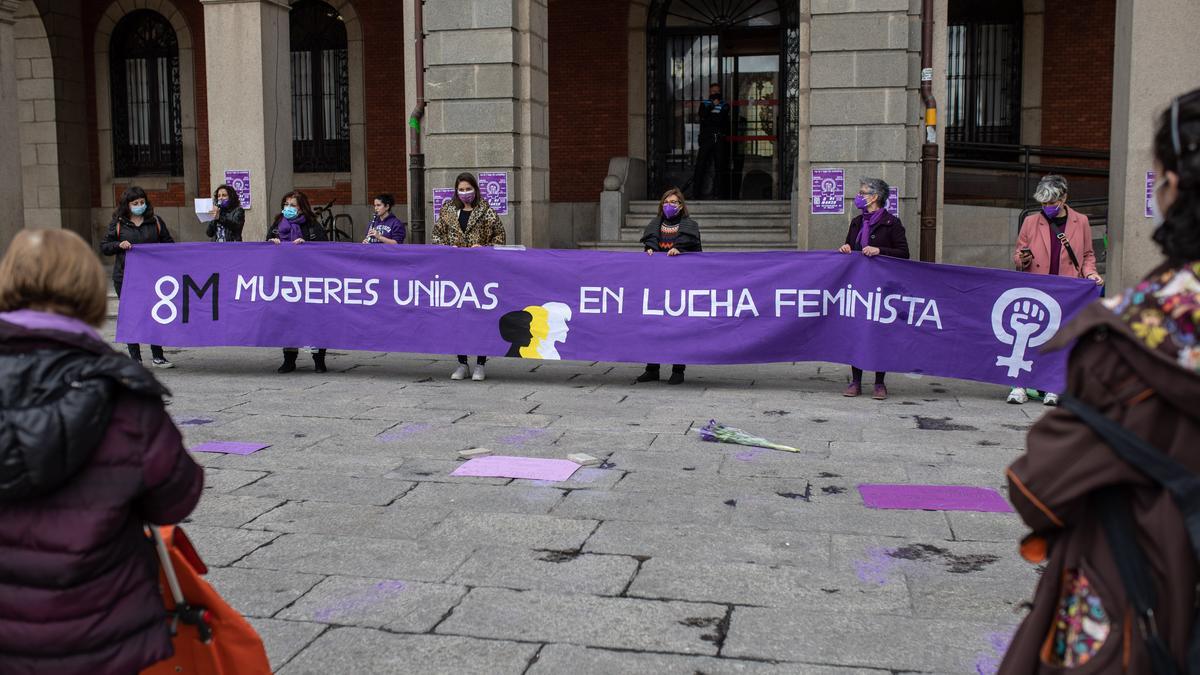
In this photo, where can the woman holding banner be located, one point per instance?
(1056, 240)
(671, 232)
(1107, 482)
(873, 232)
(468, 221)
(295, 224)
(228, 216)
(135, 223)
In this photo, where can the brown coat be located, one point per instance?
(483, 229)
(1052, 487)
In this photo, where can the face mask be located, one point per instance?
(860, 202)
(671, 210)
(467, 196)
(1050, 211)
(290, 212)
(222, 203)
(1154, 211)
(138, 210)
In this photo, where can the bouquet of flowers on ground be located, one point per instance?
(719, 433)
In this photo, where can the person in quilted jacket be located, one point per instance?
(88, 457)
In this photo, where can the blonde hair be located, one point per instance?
(55, 271)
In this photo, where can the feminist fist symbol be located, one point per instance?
(1033, 317)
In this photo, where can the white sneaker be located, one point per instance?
(1050, 400)
(460, 373)
(1018, 396)
(478, 375)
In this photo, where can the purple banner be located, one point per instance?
(494, 187)
(828, 191)
(239, 180)
(876, 313)
(1149, 194)
(440, 197)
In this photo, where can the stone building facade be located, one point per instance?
(588, 107)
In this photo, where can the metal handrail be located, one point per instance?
(1075, 153)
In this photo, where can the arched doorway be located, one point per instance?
(752, 49)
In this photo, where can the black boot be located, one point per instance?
(676, 375)
(651, 374)
(135, 352)
(289, 361)
(319, 362)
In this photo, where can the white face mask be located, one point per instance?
(1155, 213)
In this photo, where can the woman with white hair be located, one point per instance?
(1056, 240)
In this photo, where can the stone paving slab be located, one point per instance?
(553, 571)
(260, 593)
(284, 639)
(482, 498)
(623, 623)
(357, 650)
(382, 558)
(344, 518)
(554, 659)
(320, 486)
(485, 529)
(692, 542)
(224, 510)
(224, 545)
(392, 604)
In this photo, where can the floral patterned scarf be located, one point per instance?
(1164, 312)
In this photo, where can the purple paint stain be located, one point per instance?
(748, 455)
(403, 432)
(523, 436)
(988, 663)
(877, 568)
(377, 593)
(195, 422)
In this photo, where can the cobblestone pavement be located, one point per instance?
(353, 550)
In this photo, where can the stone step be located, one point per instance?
(729, 246)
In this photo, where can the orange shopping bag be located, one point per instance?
(209, 636)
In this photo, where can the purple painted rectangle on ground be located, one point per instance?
(531, 468)
(230, 447)
(933, 498)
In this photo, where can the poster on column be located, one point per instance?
(494, 187)
(881, 314)
(1150, 194)
(440, 197)
(893, 202)
(828, 191)
(239, 180)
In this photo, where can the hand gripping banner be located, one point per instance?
(707, 308)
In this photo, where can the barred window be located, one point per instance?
(320, 89)
(144, 73)
(984, 72)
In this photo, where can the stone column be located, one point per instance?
(1152, 63)
(12, 215)
(488, 87)
(248, 66)
(863, 107)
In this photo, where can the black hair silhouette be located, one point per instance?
(515, 330)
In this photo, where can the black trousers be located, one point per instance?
(462, 358)
(709, 178)
(135, 349)
(677, 368)
(856, 374)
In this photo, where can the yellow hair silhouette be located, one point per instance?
(539, 328)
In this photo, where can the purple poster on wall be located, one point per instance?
(239, 180)
(494, 187)
(828, 191)
(893, 203)
(440, 197)
(1149, 194)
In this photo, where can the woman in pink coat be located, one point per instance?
(1055, 240)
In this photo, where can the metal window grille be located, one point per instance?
(144, 73)
(320, 89)
(984, 74)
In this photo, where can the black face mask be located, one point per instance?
(714, 97)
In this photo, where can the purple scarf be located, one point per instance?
(869, 221)
(34, 320)
(291, 230)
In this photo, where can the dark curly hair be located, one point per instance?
(1177, 150)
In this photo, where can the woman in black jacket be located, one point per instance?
(672, 232)
(295, 224)
(228, 216)
(134, 223)
(873, 232)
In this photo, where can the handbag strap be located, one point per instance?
(1066, 243)
(1134, 570)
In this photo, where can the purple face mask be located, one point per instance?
(467, 196)
(860, 202)
(1050, 211)
(670, 210)
(222, 203)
